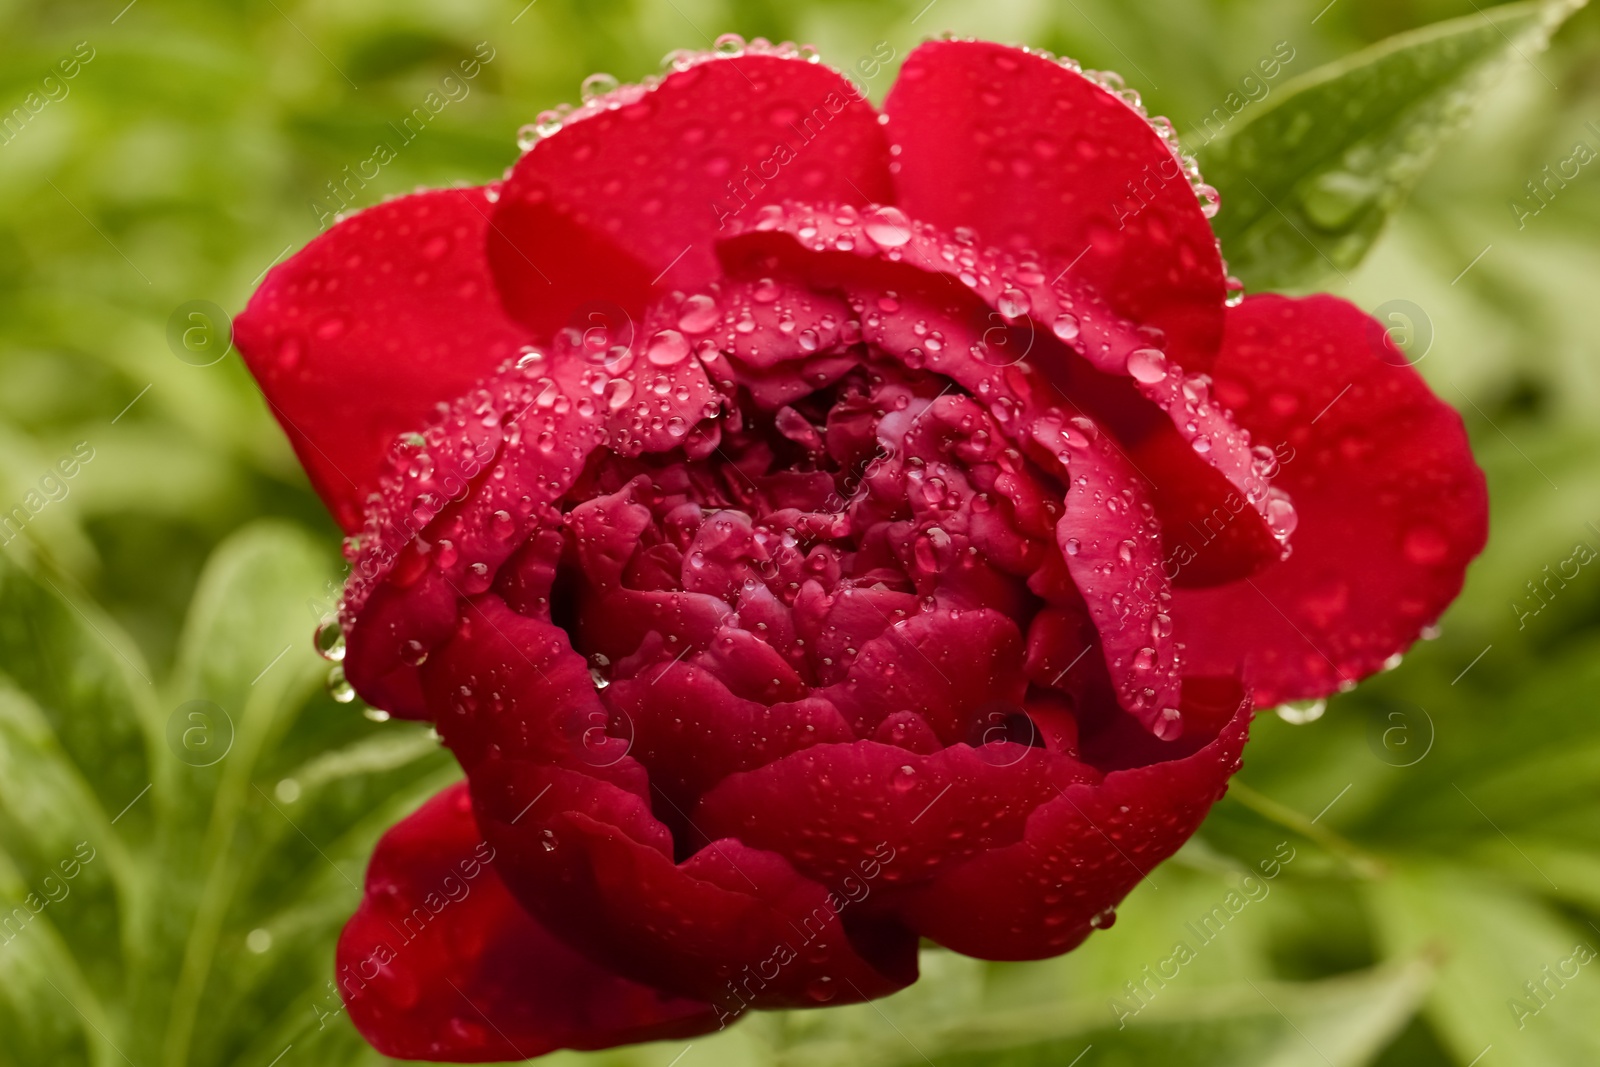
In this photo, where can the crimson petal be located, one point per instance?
(441, 963)
(638, 183)
(355, 338)
(731, 924)
(1391, 505)
(1084, 850)
(1036, 156)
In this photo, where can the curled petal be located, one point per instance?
(441, 963)
(1390, 505)
(1083, 851)
(866, 816)
(731, 924)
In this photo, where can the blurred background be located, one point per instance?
(1441, 902)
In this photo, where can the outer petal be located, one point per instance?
(1391, 505)
(1083, 851)
(652, 175)
(731, 924)
(440, 963)
(1033, 155)
(833, 809)
(455, 506)
(361, 333)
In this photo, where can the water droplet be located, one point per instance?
(1147, 365)
(888, 227)
(338, 687)
(1066, 327)
(729, 44)
(597, 84)
(1013, 303)
(618, 392)
(329, 640)
(666, 348)
(1210, 200)
(1104, 919)
(1300, 712)
(698, 314)
(1281, 515)
(821, 989)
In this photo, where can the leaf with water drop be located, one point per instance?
(1310, 177)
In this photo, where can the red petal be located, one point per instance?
(1391, 505)
(690, 732)
(1082, 852)
(360, 334)
(1111, 541)
(1066, 347)
(730, 924)
(948, 666)
(833, 809)
(637, 191)
(441, 963)
(1035, 156)
(455, 507)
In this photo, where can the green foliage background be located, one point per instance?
(1444, 817)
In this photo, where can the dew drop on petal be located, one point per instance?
(597, 84)
(698, 314)
(1013, 303)
(888, 227)
(666, 348)
(1147, 365)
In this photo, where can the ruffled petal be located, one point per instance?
(1035, 156)
(731, 924)
(457, 503)
(947, 665)
(641, 180)
(1391, 506)
(356, 337)
(441, 963)
(834, 809)
(1084, 850)
(1017, 338)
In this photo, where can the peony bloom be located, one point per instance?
(815, 530)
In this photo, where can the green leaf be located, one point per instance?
(1342, 1021)
(196, 845)
(1495, 941)
(1309, 180)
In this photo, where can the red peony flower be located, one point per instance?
(815, 529)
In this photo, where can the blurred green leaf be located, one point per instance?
(1344, 1022)
(196, 846)
(1516, 976)
(1309, 179)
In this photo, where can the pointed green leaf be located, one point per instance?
(1309, 179)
